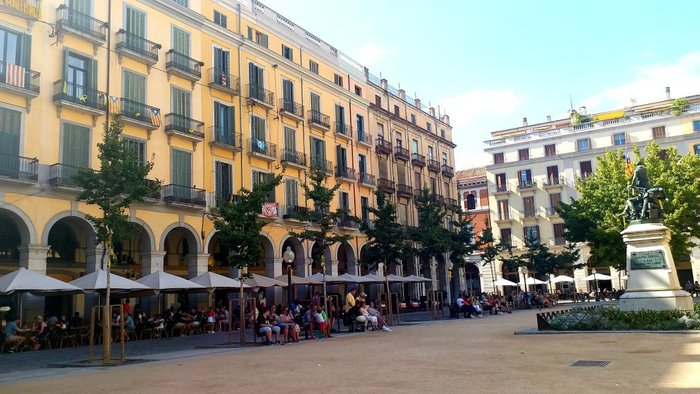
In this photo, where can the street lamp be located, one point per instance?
(595, 279)
(288, 258)
(524, 270)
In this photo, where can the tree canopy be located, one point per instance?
(462, 240)
(386, 238)
(595, 217)
(431, 235)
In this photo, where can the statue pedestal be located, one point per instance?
(652, 281)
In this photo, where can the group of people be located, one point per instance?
(472, 307)
(17, 338)
(692, 288)
(357, 310)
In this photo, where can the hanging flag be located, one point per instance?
(269, 209)
(15, 75)
(628, 168)
(114, 105)
(155, 116)
(65, 87)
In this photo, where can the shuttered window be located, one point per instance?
(135, 22)
(134, 87)
(224, 182)
(76, 146)
(315, 102)
(181, 41)
(82, 6)
(10, 122)
(257, 128)
(181, 167)
(288, 95)
(340, 114)
(180, 102)
(290, 139)
(222, 61)
(255, 76)
(291, 192)
(260, 177)
(224, 124)
(136, 148)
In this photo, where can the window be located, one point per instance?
(80, 76)
(431, 154)
(524, 178)
(498, 158)
(413, 118)
(586, 168)
(291, 192)
(506, 237)
(256, 79)
(471, 201)
(399, 140)
(531, 233)
(583, 144)
(338, 80)
(696, 126)
(180, 44)
(223, 186)
(696, 149)
(258, 130)
(360, 127)
(134, 96)
(318, 152)
(224, 124)
(396, 110)
(619, 139)
(552, 175)
(377, 100)
(220, 19)
(501, 183)
(442, 133)
(433, 186)
(429, 126)
(380, 131)
(135, 23)
(258, 37)
(344, 201)
(523, 154)
(75, 150)
(558, 229)
(414, 147)
(287, 52)
(316, 108)
(362, 164)
(180, 104)
(358, 90)
(181, 171)
(15, 49)
(554, 201)
(222, 65)
(290, 145)
(181, 2)
(313, 66)
(137, 148)
(503, 210)
(10, 131)
(658, 132)
(288, 96)
(364, 205)
(444, 158)
(342, 160)
(550, 150)
(259, 178)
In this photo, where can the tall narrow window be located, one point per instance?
(288, 96)
(313, 66)
(291, 193)
(256, 81)
(181, 169)
(224, 124)
(223, 174)
(552, 175)
(10, 133)
(222, 64)
(523, 154)
(586, 168)
(498, 158)
(287, 52)
(659, 132)
(75, 151)
(364, 204)
(136, 148)
(550, 150)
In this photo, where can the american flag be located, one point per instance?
(154, 113)
(15, 75)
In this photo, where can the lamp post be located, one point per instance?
(288, 258)
(323, 268)
(524, 270)
(595, 279)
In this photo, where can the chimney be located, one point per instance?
(432, 111)
(384, 84)
(582, 110)
(549, 118)
(524, 121)
(402, 94)
(417, 101)
(668, 93)
(446, 119)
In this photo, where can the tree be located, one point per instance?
(119, 182)
(462, 240)
(537, 257)
(490, 250)
(595, 218)
(431, 235)
(238, 224)
(386, 239)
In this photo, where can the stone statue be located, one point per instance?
(646, 205)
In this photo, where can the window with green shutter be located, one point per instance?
(220, 19)
(259, 178)
(75, 149)
(181, 167)
(137, 148)
(291, 192)
(223, 181)
(224, 124)
(184, 3)
(257, 128)
(82, 6)
(181, 41)
(10, 122)
(134, 87)
(180, 103)
(135, 22)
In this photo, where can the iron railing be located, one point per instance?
(404, 190)
(222, 80)
(527, 185)
(345, 172)
(448, 171)
(529, 213)
(383, 146)
(19, 167)
(261, 147)
(386, 184)
(138, 45)
(293, 157)
(401, 153)
(320, 119)
(363, 137)
(27, 8)
(433, 165)
(184, 125)
(70, 20)
(183, 63)
(319, 164)
(62, 175)
(19, 77)
(343, 129)
(79, 94)
(348, 222)
(180, 194)
(260, 94)
(291, 108)
(417, 160)
(295, 212)
(226, 136)
(140, 112)
(367, 179)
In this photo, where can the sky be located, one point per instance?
(489, 64)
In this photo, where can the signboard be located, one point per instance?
(648, 260)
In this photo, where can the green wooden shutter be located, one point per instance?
(288, 93)
(82, 6)
(181, 41)
(134, 87)
(250, 33)
(218, 176)
(290, 139)
(315, 102)
(76, 146)
(9, 132)
(263, 40)
(181, 168)
(25, 59)
(66, 54)
(180, 102)
(291, 193)
(135, 22)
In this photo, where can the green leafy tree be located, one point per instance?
(537, 257)
(491, 249)
(431, 235)
(568, 258)
(463, 242)
(594, 218)
(119, 182)
(386, 239)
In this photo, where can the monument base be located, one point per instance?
(652, 280)
(657, 300)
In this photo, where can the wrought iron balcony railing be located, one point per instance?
(387, 185)
(345, 172)
(363, 137)
(343, 129)
(18, 79)
(75, 22)
(433, 165)
(222, 80)
(367, 179)
(261, 95)
(80, 95)
(140, 112)
(319, 119)
(404, 190)
(417, 160)
(319, 164)
(25, 8)
(18, 167)
(179, 194)
(383, 146)
(138, 48)
(295, 212)
(448, 171)
(183, 65)
(261, 147)
(401, 153)
(293, 157)
(289, 107)
(61, 175)
(226, 136)
(184, 126)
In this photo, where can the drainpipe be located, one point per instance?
(240, 98)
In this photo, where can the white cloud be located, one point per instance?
(649, 82)
(370, 54)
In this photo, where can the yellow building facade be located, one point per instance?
(220, 95)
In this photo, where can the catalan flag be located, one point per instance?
(154, 114)
(114, 105)
(628, 167)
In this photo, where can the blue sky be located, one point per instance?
(491, 63)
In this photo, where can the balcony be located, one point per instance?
(185, 127)
(448, 171)
(529, 214)
(387, 185)
(500, 189)
(551, 211)
(401, 153)
(263, 149)
(527, 185)
(19, 168)
(367, 179)
(137, 48)
(451, 204)
(348, 223)
(554, 182)
(30, 9)
(61, 175)
(183, 66)
(295, 212)
(418, 160)
(433, 165)
(184, 195)
(345, 173)
(404, 190)
(154, 196)
(343, 130)
(70, 21)
(319, 120)
(364, 138)
(257, 94)
(139, 114)
(223, 81)
(503, 218)
(383, 146)
(79, 97)
(293, 158)
(319, 164)
(18, 80)
(226, 138)
(291, 109)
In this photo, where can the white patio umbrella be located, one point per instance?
(562, 278)
(349, 278)
(504, 282)
(163, 282)
(373, 278)
(330, 279)
(532, 281)
(297, 280)
(414, 278)
(97, 281)
(258, 280)
(214, 281)
(396, 278)
(598, 277)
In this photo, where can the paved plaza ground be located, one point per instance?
(445, 356)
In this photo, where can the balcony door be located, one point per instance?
(75, 150)
(288, 95)
(181, 42)
(81, 17)
(80, 75)
(315, 107)
(224, 130)
(362, 164)
(135, 23)
(318, 152)
(290, 144)
(181, 174)
(291, 192)
(134, 93)
(224, 182)
(222, 67)
(256, 79)
(9, 141)
(180, 105)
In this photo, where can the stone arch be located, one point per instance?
(133, 253)
(346, 259)
(266, 261)
(195, 235)
(148, 232)
(181, 246)
(315, 256)
(71, 239)
(22, 221)
(62, 215)
(299, 253)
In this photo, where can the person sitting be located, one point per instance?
(265, 327)
(129, 326)
(381, 323)
(321, 322)
(16, 337)
(41, 329)
(369, 318)
(184, 322)
(222, 318)
(77, 321)
(285, 321)
(211, 320)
